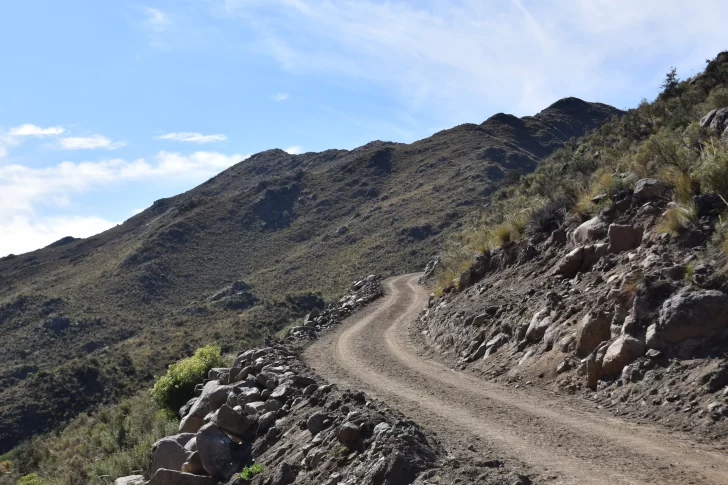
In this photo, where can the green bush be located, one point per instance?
(251, 471)
(32, 479)
(172, 390)
(713, 170)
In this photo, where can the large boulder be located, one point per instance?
(623, 237)
(221, 457)
(621, 352)
(173, 477)
(213, 396)
(591, 230)
(169, 452)
(235, 423)
(570, 264)
(592, 330)
(316, 422)
(720, 120)
(540, 322)
(647, 189)
(689, 315)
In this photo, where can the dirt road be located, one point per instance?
(561, 443)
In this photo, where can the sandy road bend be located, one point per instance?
(372, 351)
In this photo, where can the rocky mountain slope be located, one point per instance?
(620, 295)
(242, 255)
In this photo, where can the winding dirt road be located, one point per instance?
(561, 443)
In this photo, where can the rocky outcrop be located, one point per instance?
(609, 311)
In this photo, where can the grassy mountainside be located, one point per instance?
(670, 139)
(84, 322)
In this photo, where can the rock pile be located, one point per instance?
(612, 305)
(361, 293)
(270, 410)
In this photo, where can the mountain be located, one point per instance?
(242, 255)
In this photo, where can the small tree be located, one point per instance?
(669, 85)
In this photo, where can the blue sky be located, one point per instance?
(108, 106)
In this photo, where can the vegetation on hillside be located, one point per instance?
(661, 139)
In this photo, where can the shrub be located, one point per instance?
(251, 471)
(547, 218)
(712, 173)
(172, 390)
(32, 479)
(678, 218)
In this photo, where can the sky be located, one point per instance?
(107, 106)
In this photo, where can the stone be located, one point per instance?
(647, 189)
(591, 230)
(193, 464)
(172, 477)
(348, 433)
(309, 390)
(720, 120)
(232, 421)
(248, 395)
(130, 480)
(168, 453)
(273, 405)
(281, 392)
(220, 456)
(315, 422)
(213, 396)
(593, 329)
(254, 407)
(623, 237)
(707, 119)
(267, 420)
(620, 353)
(540, 322)
(570, 264)
(690, 315)
(284, 475)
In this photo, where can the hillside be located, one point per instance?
(239, 257)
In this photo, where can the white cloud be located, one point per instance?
(280, 96)
(29, 233)
(156, 19)
(294, 150)
(475, 56)
(192, 137)
(89, 143)
(26, 191)
(33, 130)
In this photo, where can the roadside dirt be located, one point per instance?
(559, 442)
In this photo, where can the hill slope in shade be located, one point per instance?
(87, 320)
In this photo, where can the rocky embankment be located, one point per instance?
(612, 309)
(270, 420)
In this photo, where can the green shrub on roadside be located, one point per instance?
(251, 471)
(32, 479)
(172, 390)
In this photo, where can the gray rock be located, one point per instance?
(720, 120)
(254, 407)
(646, 189)
(707, 119)
(281, 392)
(273, 405)
(310, 390)
(248, 395)
(168, 453)
(130, 480)
(348, 433)
(623, 237)
(621, 352)
(540, 322)
(591, 230)
(284, 475)
(172, 477)
(689, 315)
(232, 421)
(570, 264)
(194, 464)
(220, 456)
(315, 422)
(213, 396)
(267, 420)
(592, 330)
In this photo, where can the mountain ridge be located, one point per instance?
(296, 228)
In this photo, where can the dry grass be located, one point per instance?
(678, 219)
